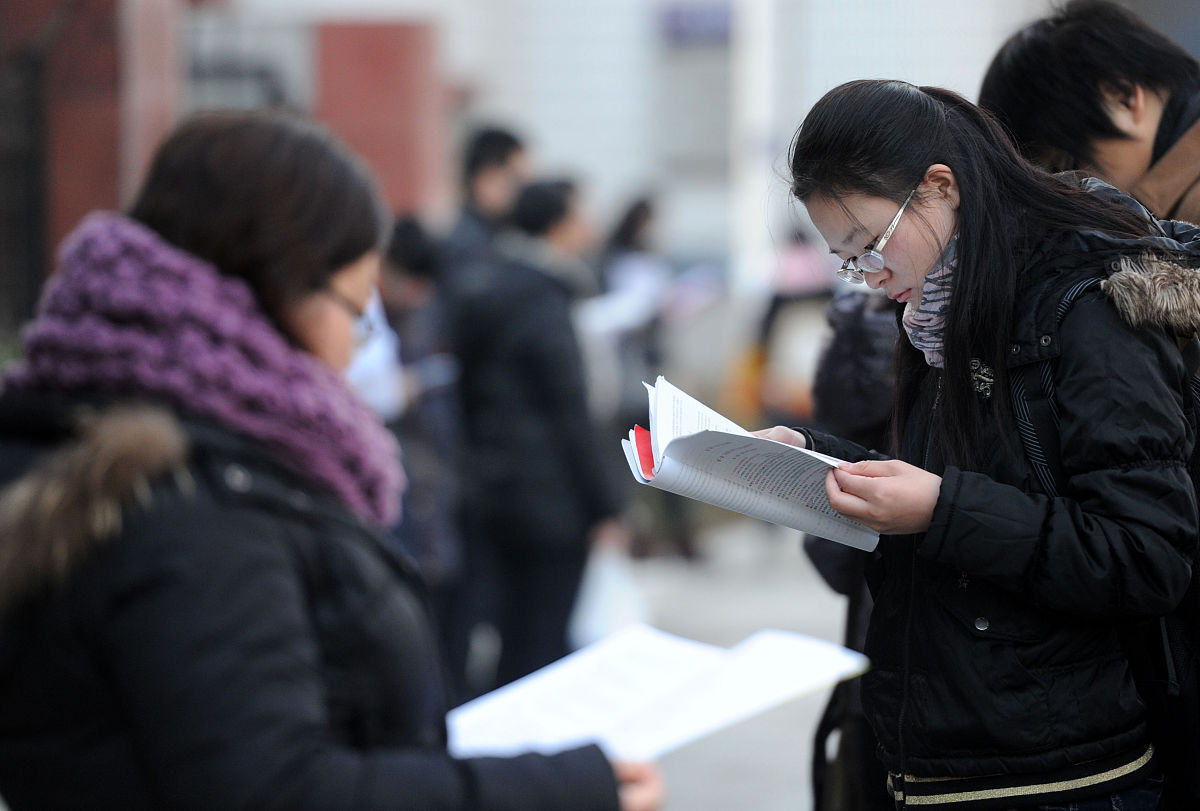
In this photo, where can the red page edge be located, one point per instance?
(645, 451)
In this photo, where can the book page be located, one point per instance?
(763, 671)
(594, 695)
(760, 478)
(642, 692)
(674, 414)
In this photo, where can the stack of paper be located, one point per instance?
(642, 692)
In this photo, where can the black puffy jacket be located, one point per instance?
(187, 625)
(535, 472)
(994, 640)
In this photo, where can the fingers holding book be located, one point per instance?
(891, 496)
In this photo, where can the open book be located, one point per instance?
(641, 693)
(692, 450)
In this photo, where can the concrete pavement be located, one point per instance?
(752, 576)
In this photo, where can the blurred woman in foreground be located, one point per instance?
(198, 606)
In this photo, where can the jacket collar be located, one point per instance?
(571, 272)
(1170, 177)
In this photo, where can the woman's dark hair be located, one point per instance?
(541, 205)
(412, 250)
(1046, 82)
(630, 233)
(878, 138)
(268, 197)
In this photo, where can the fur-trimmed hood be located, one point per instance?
(1148, 288)
(1152, 280)
(1148, 291)
(73, 498)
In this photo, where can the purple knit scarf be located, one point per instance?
(130, 314)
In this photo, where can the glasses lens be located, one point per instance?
(849, 273)
(871, 262)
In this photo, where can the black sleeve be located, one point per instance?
(844, 449)
(1115, 543)
(210, 650)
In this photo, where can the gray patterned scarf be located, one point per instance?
(925, 318)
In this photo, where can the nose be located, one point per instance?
(876, 280)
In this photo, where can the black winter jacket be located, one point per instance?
(994, 640)
(187, 625)
(536, 474)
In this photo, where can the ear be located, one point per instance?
(1126, 105)
(940, 184)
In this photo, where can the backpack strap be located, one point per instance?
(1035, 405)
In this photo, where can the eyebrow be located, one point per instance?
(848, 240)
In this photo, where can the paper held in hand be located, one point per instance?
(641, 693)
(692, 450)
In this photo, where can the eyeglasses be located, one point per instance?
(871, 259)
(364, 325)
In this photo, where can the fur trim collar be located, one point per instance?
(1149, 291)
(72, 500)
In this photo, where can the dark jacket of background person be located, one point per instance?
(1003, 577)
(535, 485)
(430, 427)
(469, 243)
(156, 703)
(852, 398)
(532, 467)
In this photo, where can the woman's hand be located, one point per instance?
(782, 434)
(891, 497)
(639, 785)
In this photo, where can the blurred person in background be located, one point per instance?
(494, 167)
(636, 282)
(537, 489)
(622, 331)
(801, 288)
(199, 608)
(1094, 88)
(428, 423)
(999, 678)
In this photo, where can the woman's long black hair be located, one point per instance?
(878, 138)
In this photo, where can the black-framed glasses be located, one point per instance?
(871, 259)
(364, 326)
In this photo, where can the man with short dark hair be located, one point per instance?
(494, 167)
(1094, 88)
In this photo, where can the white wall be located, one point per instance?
(820, 44)
(581, 79)
(574, 77)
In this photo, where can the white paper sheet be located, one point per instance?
(642, 693)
